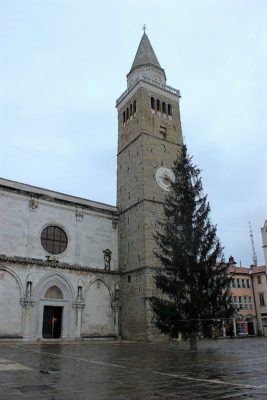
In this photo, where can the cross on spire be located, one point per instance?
(144, 28)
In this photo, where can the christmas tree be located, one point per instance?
(192, 295)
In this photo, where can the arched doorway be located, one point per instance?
(55, 317)
(52, 317)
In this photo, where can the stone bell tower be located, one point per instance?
(149, 138)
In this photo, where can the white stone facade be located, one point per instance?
(84, 294)
(25, 211)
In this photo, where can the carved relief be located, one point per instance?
(79, 214)
(33, 204)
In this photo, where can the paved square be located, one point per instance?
(226, 369)
(6, 365)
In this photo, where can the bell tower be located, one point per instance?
(149, 138)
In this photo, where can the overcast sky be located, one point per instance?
(63, 65)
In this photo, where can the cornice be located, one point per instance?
(53, 264)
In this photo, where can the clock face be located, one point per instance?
(164, 177)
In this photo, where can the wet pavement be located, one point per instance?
(223, 369)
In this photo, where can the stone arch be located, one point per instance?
(11, 272)
(54, 279)
(53, 292)
(11, 291)
(101, 280)
(62, 305)
(98, 316)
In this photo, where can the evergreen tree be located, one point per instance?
(192, 285)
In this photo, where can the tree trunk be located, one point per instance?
(193, 342)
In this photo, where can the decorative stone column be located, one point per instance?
(78, 307)
(116, 306)
(28, 304)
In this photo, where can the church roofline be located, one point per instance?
(41, 193)
(54, 264)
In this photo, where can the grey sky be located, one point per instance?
(63, 64)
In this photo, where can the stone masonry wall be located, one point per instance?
(147, 141)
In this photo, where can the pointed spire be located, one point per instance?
(146, 64)
(145, 54)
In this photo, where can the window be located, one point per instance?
(238, 282)
(134, 106)
(129, 278)
(262, 301)
(163, 130)
(169, 109)
(233, 282)
(158, 105)
(245, 303)
(259, 279)
(250, 306)
(240, 304)
(131, 110)
(235, 301)
(164, 107)
(152, 103)
(54, 240)
(124, 117)
(127, 113)
(248, 283)
(243, 283)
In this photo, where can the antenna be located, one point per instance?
(254, 255)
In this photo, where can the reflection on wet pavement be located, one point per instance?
(226, 369)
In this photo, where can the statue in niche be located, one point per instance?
(107, 259)
(29, 286)
(80, 290)
(117, 292)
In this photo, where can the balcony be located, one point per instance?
(167, 88)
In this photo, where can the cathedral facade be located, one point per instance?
(72, 268)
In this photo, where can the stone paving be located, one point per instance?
(223, 369)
